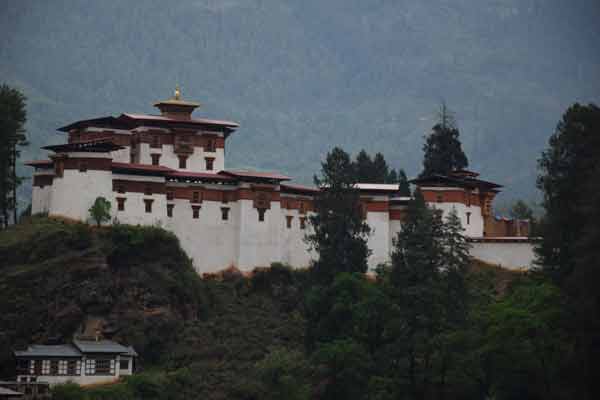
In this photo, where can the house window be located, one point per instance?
(73, 367)
(121, 203)
(37, 367)
(170, 210)
(124, 364)
(170, 195)
(148, 190)
(302, 207)
(195, 197)
(148, 205)
(62, 367)
(104, 366)
(288, 221)
(155, 141)
(83, 166)
(132, 157)
(195, 212)
(209, 163)
(224, 213)
(468, 218)
(302, 222)
(182, 162)
(210, 146)
(261, 214)
(155, 158)
(54, 367)
(45, 367)
(90, 367)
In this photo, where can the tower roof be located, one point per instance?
(176, 107)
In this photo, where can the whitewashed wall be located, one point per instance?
(41, 199)
(475, 226)
(511, 255)
(379, 240)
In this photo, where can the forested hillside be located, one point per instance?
(302, 76)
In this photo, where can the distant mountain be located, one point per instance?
(303, 76)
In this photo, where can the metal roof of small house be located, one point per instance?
(43, 350)
(103, 346)
(9, 392)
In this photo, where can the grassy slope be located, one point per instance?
(138, 286)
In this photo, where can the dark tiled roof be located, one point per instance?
(93, 146)
(143, 169)
(41, 350)
(256, 175)
(40, 163)
(455, 181)
(199, 175)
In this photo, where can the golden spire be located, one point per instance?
(177, 93)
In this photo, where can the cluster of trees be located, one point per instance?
(377, 170)
(12, 136)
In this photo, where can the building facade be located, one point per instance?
(83, 362)
(169, 170)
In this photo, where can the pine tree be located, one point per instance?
(443, 150)
(404, 185)
(569, 251)
(392, 176)
(380, 169)
(12, 136)
(363, 166)
(340, 232)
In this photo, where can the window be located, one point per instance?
(302, 207)
(132, 157)
(288, 221)
(83, 166)
(182, 162)
(224, 213)
(155, 141)
(170, 210)
(210, 146)
(195, 197)
(121, 203)
(302, 222)
(73, 367)
(37, 367)
(148, 190)
(23, 366)
(148, 205)
(104, 366)
(209, 163)
(170, 195)
(468, 218)
(195, 212)
(261, 214)
(62, 367)
(90, 367)
(124, 364)
(155, 158)
(45, 367)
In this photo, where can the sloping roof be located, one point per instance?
(9, 392)
(378, 187)
(256, 175)
(143, 169)
(103, 346)
(131, 120)
(295, 188)
(455, 181)
(42, 350)
(40, 163)
(199, 175)
(92, 146)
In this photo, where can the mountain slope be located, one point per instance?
(302, 77)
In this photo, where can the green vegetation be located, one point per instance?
(100, 210)
(12, 136)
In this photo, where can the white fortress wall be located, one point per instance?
(473, 225)
(379, 239)
(507, 254)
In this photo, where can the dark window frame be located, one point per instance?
(148, 205)
(224, 213)
(170, 210)
(155, 159)
(121, 203)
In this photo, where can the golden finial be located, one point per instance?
(177, 93)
